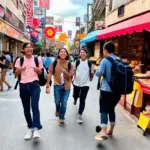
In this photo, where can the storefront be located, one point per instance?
(131, 38)
(10, 38)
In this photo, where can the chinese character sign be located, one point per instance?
(29, 12)
(44, 4)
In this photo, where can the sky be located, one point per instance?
(69, 9)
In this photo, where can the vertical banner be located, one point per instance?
(70, 34)
(44, 4)
(77, 21)
(29, 12)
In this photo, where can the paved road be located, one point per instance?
(70, 137)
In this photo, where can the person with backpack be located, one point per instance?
(62, 70)
(29, 69)
(83, 75)
(117, 80)
(4, 65)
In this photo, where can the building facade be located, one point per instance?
(12, 25)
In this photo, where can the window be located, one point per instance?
(121, 11)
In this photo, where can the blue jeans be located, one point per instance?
(108, 102)
(30, 95)
(61, 97)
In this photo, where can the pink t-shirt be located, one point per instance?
(29, 75)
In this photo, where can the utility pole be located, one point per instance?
(88, 4)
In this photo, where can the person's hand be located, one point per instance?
(22, 69)
(94, 67)
(136, 69)
(36, 69)
(63, 70)
(47, 89)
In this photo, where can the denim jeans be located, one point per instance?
(61, 97)
(30, 95)
(108, 102)
(80, 92)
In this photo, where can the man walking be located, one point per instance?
(108, 99)
(83, 76)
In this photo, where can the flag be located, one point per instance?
(44, 4)
(29, 11)
(58, 28)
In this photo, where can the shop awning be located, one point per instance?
(90, 37)
(137, 24)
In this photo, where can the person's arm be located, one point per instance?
(38, 70)
(3, 62)
(100, 72)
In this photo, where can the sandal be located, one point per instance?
(110, 133)
(101, 138)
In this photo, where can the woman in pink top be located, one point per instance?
(30, 90)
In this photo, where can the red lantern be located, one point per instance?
(49, 32)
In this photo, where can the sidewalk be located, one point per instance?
(70, 137)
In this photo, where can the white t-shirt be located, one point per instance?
(82, 77)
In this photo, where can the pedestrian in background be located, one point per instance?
(4, 65)
(62, 70)
(30, 90)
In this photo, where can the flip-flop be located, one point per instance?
(101, 138)
(110, 133)
(98, 129)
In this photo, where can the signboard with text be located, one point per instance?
(44, 4)
(29, 11)
(49, 20)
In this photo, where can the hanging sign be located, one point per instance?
(49, 32)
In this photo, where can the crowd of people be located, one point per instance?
(79, 73)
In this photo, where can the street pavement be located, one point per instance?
(72, 136)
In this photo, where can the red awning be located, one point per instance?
(137, 24)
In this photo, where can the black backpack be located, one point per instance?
(89, 64)
(121, 77)
(55, 63)
(42, 80)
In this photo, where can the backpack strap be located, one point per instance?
(90, 67)
(21, 61)
(69, 66)
(110, 59)
(54, 66)
(77, 63)
(36, 61)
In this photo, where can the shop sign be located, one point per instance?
(77, 21)
(10, 31)
(49, 20)
(99, 24)
(38, 11)
(2, 12)
(44, 4)
(59, 20)
(29, 11)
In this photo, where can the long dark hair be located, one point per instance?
(67, 58)
(25, 44)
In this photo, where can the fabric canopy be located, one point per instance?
(90, 37)
(137, 24)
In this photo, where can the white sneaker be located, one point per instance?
(80, 120)
(36, 134)
(28, 135)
